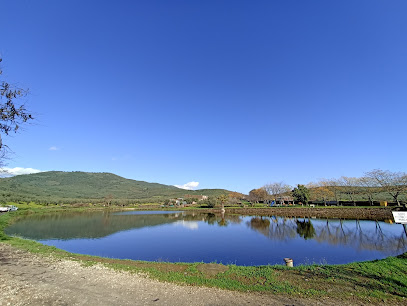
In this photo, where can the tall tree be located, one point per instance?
(369, 188)
(222, 199)
(320, 191)
(257, 195)
(277, 189)
(301, 194)
(109, 199)
(235, 197)
(12, 114)
(349, 187)
(335, 186)
(211, 202)
(394, 183)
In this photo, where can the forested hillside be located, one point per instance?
(74, 187)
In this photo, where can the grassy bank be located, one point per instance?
(375, 281)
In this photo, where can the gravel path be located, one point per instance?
(26, 279)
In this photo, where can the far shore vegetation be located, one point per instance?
(376, 187)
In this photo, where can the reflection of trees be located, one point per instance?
(211, 219)
(360, 236)
(235, 219)
(357, 234)
(223, 221)
(260, 224)
(100, 224)
(279, 228)
(220, 219)
(305, 229)
(84, 225)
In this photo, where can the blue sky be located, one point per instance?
(230, 94)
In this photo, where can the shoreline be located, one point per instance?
(373, 282)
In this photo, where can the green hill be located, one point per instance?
(74, 187)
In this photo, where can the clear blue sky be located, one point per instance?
(230, 94)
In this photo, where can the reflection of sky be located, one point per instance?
(192, 225)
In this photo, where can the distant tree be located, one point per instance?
(108, 199)
(301, 194)
(394, 183)
(12, 114)
(167, 202)
(320, 191)
(211, 202)
(257, 195)
(222, 199)
(349, 187)
(277, 189)
(191, 200)
(235, 197)
(369, 188)
(335, 187)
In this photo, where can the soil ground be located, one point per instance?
(27, 279)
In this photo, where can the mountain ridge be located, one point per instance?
(60, 186)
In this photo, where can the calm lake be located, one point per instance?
(196, 237)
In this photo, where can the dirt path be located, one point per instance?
(26, 279)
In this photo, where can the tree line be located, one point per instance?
(373, 186)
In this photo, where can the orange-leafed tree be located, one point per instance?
(257, 195)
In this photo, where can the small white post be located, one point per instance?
(289, 262)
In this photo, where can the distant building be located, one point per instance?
(285, 200)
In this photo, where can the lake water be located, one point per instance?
(202, 237)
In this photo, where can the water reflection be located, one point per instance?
(187, 224)
(208, 237)
(305, 229)
(358, 234)
(86, 224)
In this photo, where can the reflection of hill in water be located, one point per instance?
(354, 233)
(84, 225)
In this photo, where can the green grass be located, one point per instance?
(374, 281)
